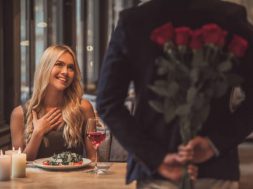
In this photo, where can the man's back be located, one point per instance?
(135, 60)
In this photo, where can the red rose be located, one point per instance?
(182, 35)
(213, 34)
(196, 39)
(162, 34)
(238, 46)
(222, 39)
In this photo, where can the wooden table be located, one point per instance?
(37, 178)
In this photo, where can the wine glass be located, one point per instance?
(96, 133)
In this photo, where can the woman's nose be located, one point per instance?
(64, 69)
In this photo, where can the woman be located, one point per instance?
(53, 120)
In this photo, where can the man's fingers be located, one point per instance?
(185, 152)
(170, 158)
(174, 160)
(193, 171)
(172, 167)
(202, 149)
(196, 141)
(187, 147)
(171, 171)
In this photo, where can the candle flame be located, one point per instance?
(1, 153)
(13, 148)
(19, 150)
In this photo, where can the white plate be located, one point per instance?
(39, 163)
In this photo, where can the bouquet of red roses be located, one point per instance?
(194, 69)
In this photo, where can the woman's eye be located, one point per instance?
(71, 67)
(59, 64)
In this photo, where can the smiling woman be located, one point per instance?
(53, 120)
(63, 72)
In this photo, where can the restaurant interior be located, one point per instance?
(27, 28)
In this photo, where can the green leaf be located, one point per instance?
(208, 74)
(183, 68)
(160, 83)
(169, 110)
(183, 109)
(173, 89)
(164, 66)
(199, 101)
(156, 105)
(194, 75)
(162, 71)
(164, 89)
(197, 59)
(171, 66)
(159, 90)
(191, 94)
(225, 66)
(204, 113)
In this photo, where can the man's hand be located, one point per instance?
(172, 167)
(202, 150)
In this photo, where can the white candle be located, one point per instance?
(10, 152)
(18, 164)
(5, 167)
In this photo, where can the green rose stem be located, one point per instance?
(186, 134)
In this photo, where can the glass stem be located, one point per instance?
(96, 159)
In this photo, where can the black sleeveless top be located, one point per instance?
(53, 142)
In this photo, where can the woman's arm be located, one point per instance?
(41, 127)
(17, 128)
(89, 113)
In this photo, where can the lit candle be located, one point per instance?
(5, 166)
(10, 152)
(18, 164)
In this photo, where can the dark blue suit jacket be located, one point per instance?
(131, 56)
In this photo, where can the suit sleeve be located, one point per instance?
(230, 132)
(113, 86)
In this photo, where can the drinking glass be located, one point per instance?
(96, 133)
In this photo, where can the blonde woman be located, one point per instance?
(54, 119)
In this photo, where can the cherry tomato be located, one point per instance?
(45, 162)
(78, 163)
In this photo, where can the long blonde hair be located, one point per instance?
(71, 111)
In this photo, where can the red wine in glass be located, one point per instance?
(96, 134)
(96, 138)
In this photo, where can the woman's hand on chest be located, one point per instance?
(48, 121)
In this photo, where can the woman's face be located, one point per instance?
(63, 72)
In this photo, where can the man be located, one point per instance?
(131, 57)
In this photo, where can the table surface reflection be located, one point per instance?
(75, 179)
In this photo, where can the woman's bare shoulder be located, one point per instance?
(17, 112)
(86, 104)
(17, 117)
(87, 107)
